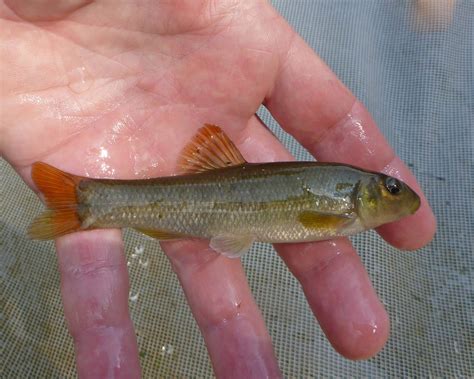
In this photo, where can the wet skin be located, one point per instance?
(116, 92)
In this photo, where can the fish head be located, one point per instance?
(382, 199)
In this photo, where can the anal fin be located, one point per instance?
(232, 246)
(161, 234)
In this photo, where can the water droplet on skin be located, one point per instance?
(332, 243)
(97, 161)
(392, 171)
(123, 129)
(144, 165)
(117, 130)
(133, 297)
(33, 99)
(148, 172)
(103, 152)
(129, 263)
(167, 349)
(107, 170)
(79, 80)
(143, 263)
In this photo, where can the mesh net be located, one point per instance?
(414, 72)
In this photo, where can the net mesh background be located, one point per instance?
(416, 78)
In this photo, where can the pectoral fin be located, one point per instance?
(316, 220)
(232, 246)
(161, 234)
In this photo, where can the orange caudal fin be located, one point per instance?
(59, 191)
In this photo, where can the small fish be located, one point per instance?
(223, 198)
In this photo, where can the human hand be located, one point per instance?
(106, 91)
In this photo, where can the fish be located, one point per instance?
(219, 196)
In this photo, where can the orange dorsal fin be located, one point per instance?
(209, 149)
(59, 191)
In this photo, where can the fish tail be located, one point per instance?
(59, 190)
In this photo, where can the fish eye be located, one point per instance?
(393, 185)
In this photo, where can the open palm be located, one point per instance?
(112, 91)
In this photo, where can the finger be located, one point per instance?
(311, 103)
(94, 286)
(226, 313)
(333, 278)
(340, 295)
